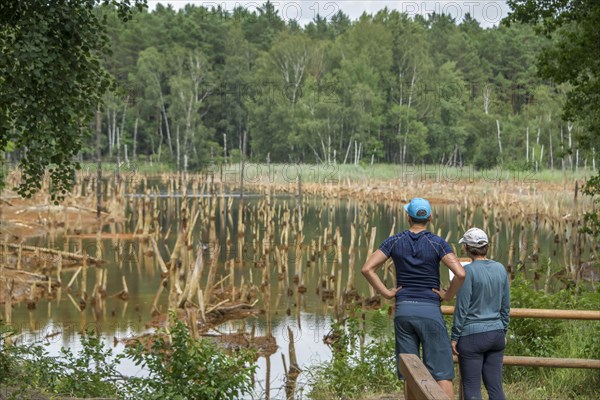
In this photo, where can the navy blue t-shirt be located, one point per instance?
(417, 259)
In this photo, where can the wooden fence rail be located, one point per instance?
(590, 315)
(548, 362)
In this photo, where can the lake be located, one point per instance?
(307, 313)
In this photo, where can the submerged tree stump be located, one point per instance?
(22, 286)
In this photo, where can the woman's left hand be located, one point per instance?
(454, 351)
(440, 292)
(391, 293)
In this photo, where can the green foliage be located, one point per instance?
(183, 369)
(553, 338)
(6, 361)
(89, 373)
(51, 80)
(591, 219)
(92, 372)
(188, 368)
(573, 56)
(384, 87)
(363, 360)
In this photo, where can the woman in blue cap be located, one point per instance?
(418, 320)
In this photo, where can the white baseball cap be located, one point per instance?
(474, 237)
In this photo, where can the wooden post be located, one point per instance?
(420, 385)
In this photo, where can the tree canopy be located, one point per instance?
(52, 77)
(572, 56)
(383, 88)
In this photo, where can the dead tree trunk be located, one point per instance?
(408, 104)
(551, 153)
(243, 159)
(487, 93)
(163, 110)
(527, 145)
(225, 147)
(499, 140)
(348, 150)
(99, 161)
(114, 131)
(400, 102)
(570, 131)
(133, 151)
(118, 163)
(109, 130)
(562, 147)
(178, 150)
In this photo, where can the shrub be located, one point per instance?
(92, 372)
(553, 338)
(188, 368)
(184, 368)
(363, 360)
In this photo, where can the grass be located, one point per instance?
(327, 173)
(90, 168)
(527, 390)
(332, 173)
(513, 390)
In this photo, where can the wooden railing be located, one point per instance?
(590, 315)
(420, 384)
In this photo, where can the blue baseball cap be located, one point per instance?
(418, 208)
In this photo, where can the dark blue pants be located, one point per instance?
(421, 325)
(480, 355)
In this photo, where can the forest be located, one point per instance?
(385, 88)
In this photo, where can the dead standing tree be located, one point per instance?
(291, 57)
(191, 91)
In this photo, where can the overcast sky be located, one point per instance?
(487, 12)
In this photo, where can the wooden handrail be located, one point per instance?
(591, 315)
(548, 362)
(420, 385)
(551, 362)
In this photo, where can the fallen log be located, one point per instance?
(65, 254)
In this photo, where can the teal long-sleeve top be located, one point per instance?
(483, 301)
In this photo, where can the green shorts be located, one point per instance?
(421, 325)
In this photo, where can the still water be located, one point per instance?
(307, 314)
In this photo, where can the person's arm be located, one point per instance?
(451, 261)
(505, 305)
(369, 269)
(463, 299)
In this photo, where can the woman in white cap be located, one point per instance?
(481, 319)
